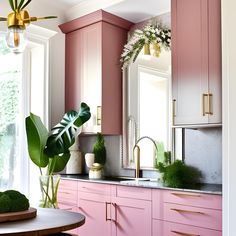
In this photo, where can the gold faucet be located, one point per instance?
(136, 154)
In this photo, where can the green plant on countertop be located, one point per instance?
(99, 150)
(178, 174)
(51, 150)
(13, 201)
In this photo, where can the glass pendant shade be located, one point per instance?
(16, 39)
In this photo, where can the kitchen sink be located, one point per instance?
(124, 178)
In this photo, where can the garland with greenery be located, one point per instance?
(149, 34)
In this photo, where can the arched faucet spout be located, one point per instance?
(136, 153)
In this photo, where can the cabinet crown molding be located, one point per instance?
(93, 18)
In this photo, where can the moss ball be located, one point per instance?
(13, 201)
(5, 203)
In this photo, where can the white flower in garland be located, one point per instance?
(149, 34)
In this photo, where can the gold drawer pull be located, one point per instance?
(187, 211)
(89, 189)
(184, 234)
(66, 193)
(186, 194)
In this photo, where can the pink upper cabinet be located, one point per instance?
(196, 62)
(93, 72)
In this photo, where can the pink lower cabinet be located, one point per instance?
(94, 202)
(96, 209)
(132, 217)
(112, 210)
(67, 197)
(186, 213)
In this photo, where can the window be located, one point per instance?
(10, 106)
(24, 86)
(153, 113)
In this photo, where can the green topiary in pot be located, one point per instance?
(99, 150)
(179, 175)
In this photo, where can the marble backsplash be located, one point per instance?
(203, 149)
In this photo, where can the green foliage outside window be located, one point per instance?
(9, 109)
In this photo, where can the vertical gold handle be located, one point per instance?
(207, 105)
(184, 234)
(107, 219)
(173, 111)
(210, 103)
(99, 115)
(136, 153)
(204, 110)
(174, 107)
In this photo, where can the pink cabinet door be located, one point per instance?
(91, 72)
(196, 61)
(131, 217)
(72, 71)
(96, 209)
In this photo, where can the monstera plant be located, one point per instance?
(50, 150)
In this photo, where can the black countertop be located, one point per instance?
(128, 181)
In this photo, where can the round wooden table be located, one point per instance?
(48, 221)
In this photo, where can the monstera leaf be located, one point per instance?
(63, 134)
(37, 136)
(58, 163)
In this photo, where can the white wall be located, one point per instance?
(229, 116)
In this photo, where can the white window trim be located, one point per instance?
(42, 36)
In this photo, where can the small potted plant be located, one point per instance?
(50, 151)
(178, 174)
(99, 151)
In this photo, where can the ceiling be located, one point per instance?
(69, 3)
(139, 10)
(132, 10)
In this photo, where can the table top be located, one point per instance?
(47, 221)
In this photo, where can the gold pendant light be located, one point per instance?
(17, 21)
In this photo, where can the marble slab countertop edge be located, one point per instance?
(215, 189)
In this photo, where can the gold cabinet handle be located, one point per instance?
(173, 111)
(107, 219)
(174, 107)
(186, 194)
(184, 234)
(204, 110)
(187, 211)
(99, 115)
(210, 103)
(207, 105)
